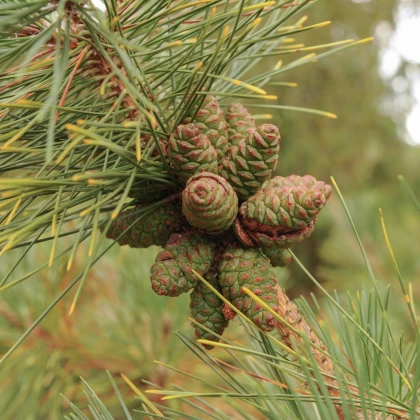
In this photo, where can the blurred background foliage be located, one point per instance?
(364, 149)
(120, 325)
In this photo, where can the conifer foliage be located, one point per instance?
(130, 124)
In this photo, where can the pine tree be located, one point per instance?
(106, 112)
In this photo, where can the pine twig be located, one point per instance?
(288, 311)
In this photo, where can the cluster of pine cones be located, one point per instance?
(233, 223)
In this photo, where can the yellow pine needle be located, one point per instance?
(69, 264)
(278, 65)
(138, 144)
(19, 134)
(306, 57)
(225, 31)
(174, 44)
(141, 395)
(72, 307)
(151, 119)
(190, 41)
(319, 47)
(364, 41)
(270, 97)
(321, 25)
(114, 21)
(287, 28)
(256, 22)
(248, 86)
(301, 21)
(287, 84)
(7, 246)
(263, 117)
(288, 40)
(28, 102)
(214, 343)
(329, 115)
(53, 224)
(130, 124)
(13, 212)
(258, 6)
(93, 181)
(23, 150)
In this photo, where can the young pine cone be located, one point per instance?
(240, 123)
(279, 217)
(206, 308)
(154, 228)
(210, 120)
(283, 209)
(209, 202)
(278, 257)
(307, 181)
(191, 152)
(252, 162)
(172, 274)
(240, 268)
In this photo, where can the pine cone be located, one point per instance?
(279, 217)
(154, 228)
(307, 181)
(240, 123)
(210, 120)
(206, 308)
(172, 274)
(146, 191)
(281, 210)
(264, 240)
(249, 268)
(278, 257)
(191, 152)
(209, 203)
(252, 162)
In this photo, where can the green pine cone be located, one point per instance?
(307, 181)
(252, 162)
(210, 120)
(240, 123)
(172, 274)
(240, 268)
(154, 228)
(146, 191)
(206, 308)
(209, 203)
(282, 209)
(191, 152)
(278, 257)
(269, 239)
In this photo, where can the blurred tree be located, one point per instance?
(362, 148)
